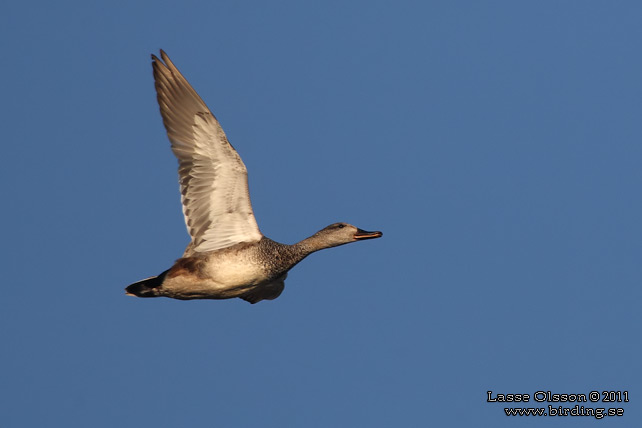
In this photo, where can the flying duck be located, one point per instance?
(228, 256)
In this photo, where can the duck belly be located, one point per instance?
(224, 278)
(235, 273)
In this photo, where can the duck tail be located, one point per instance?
(148, 287)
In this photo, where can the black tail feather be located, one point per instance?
(147, 287)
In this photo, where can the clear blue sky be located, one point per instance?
(498, 146)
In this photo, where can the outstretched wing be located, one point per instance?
(213, 179)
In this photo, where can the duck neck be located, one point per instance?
(310, 245)
(284, 257)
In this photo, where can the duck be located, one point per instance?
(227, 257)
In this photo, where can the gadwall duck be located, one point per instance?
(228, 256)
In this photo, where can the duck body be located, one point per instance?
(241, 270)
(228, 256)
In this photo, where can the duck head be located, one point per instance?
(343, 233)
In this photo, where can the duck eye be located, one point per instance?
(341, 226)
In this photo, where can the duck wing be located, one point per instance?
(213, 178)
(268, 291)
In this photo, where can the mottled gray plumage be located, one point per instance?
(228, 256)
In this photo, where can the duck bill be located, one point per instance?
(364, 234)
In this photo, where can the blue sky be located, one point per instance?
(496, 144)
